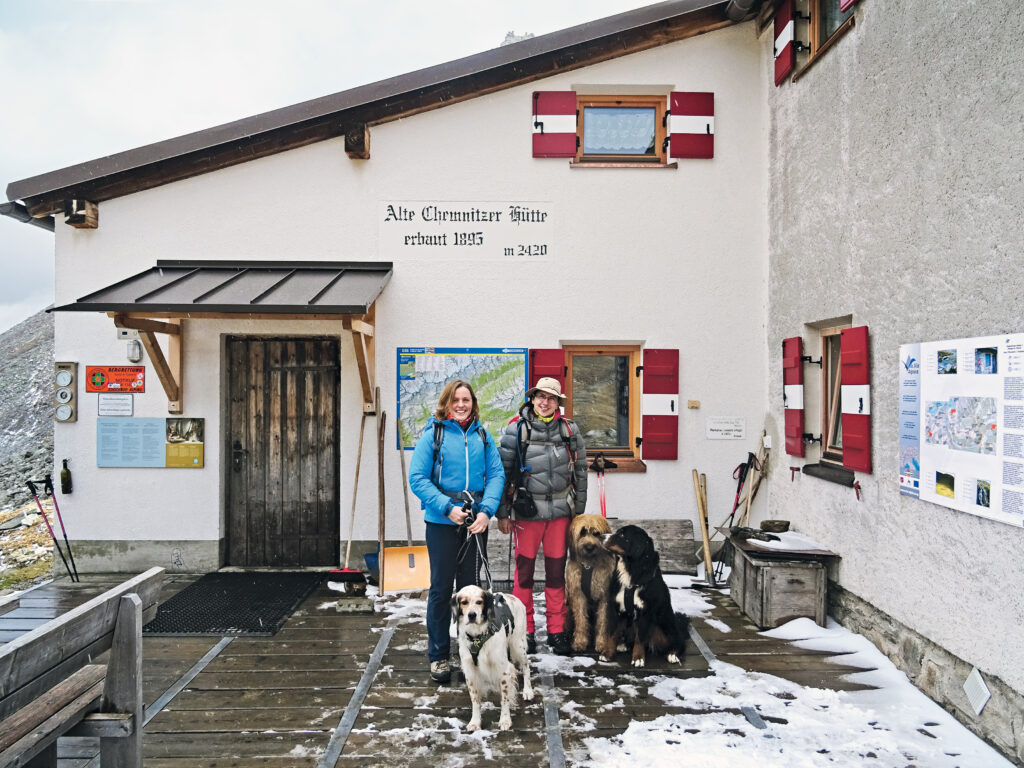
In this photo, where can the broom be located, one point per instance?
(348, 575)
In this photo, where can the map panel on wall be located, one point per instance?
(497, 375)
(961, 425)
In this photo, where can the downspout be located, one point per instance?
(737, 10)
(20, 212)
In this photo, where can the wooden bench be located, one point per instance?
(51, 684)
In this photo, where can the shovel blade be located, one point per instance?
(405, 568)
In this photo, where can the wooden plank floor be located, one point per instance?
(276, 701)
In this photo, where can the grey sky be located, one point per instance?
(87, 78)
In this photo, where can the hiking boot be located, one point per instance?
(440, 671)
(559, 644)
(531, 643)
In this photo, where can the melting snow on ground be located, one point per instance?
(892, 727)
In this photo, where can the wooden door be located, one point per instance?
(282, 451)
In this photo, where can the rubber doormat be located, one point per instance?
(234, 603)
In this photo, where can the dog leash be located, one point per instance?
(481, 555)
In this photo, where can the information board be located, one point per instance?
(497, 375)
(961, 425)
(150, 442)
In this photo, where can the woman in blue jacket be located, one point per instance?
(456, 457)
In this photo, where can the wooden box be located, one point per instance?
(772, 592)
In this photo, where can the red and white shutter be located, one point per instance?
(659, 404)
(785, 41)
(554, 123)
(691, 124)
(547, 362)
(793, 394)
(845, 5)
(855, 398)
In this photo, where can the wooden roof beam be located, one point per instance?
(168, 369)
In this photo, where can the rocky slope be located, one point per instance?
(26, 418)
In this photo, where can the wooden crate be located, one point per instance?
(772, 592)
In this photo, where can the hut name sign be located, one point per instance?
(961, 425)
(504, 230)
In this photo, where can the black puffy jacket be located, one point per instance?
(548, 479)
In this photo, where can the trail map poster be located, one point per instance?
(498, 377)
(961, 422)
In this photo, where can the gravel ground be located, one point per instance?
(25, 547)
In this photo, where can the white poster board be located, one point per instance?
(961, 422)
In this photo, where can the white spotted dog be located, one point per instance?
(492, 646)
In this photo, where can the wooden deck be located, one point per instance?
(352, 690)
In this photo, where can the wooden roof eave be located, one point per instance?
(97, 183)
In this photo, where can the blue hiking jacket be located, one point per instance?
(466, 462)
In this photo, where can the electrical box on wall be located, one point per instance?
(65, 388)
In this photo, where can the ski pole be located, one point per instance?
(48, 487)
(32, 488)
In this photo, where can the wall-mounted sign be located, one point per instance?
(109, 404)
(961, 425)
(716, 428)
(115, 378)
(150, 442)
(475, 230)
(497, 375)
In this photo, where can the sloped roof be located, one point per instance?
(332, 116)
(242, 287)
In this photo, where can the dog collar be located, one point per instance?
(500, 620)
(588, 575)
(630, 592)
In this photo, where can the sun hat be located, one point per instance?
(548, 385)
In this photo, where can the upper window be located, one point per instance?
(826, 21)
(621, 129)
(603, 397)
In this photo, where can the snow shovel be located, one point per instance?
(404, 568)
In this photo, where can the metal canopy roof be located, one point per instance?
(243, 287)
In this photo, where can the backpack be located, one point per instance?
(522, 501)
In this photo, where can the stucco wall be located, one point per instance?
(667, 258)
(896, 179)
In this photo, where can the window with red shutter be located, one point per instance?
(547, 362)
(793, 394)
(785, 41)
(554, 123)
(855, 396)
(660, 404)
(691, 125)
(824, 23)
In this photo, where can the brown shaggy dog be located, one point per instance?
(589, 571)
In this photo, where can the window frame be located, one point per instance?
(831, 393)
(629, 457)
(818, 43)
(660, 105)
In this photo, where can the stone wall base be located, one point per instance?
(937, 672)
(114, 556)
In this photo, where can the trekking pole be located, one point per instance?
(48, 487)
(32, 488)
(599, 465)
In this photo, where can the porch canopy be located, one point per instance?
(176, 290)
